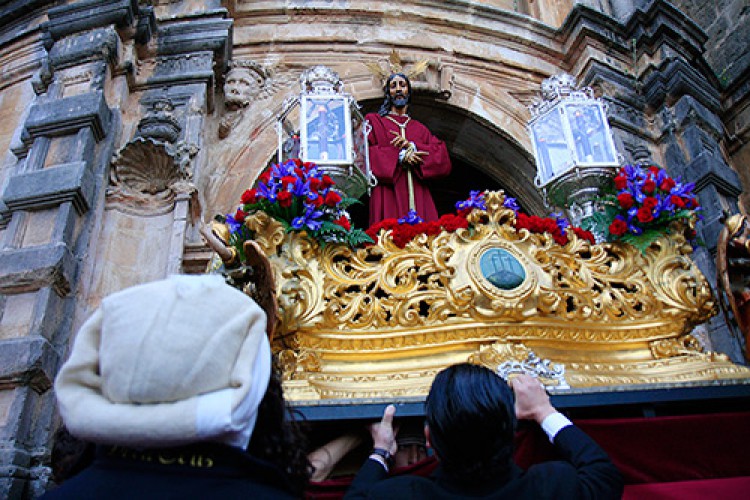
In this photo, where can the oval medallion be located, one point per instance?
(502, 269)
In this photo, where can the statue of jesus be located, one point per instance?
(403, 156)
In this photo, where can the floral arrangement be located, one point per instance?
(643, 201)
(302, 198)
(405, 229)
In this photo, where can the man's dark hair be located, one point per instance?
(70, 455)
(385, 108)
(278, 437)
(471, 415)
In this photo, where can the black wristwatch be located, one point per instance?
(382, 452)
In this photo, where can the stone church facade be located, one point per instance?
(120, 133)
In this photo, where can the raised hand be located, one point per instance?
(532, 401)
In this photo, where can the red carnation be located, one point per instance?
(402, 235)
(327, 182)
(645, 215)
(430, 228)
(677, 201)
(240, 215)
(649, 186)
(618, 227)
(332, 198)
(250, 197)
(265, 176)
(314, 184)
(299, 173)
(621, 182)
(626, 200)
(560, 239)
(654, 169)
(297, 162)
(650, 202)
(522, 221)
(344, 222)
(285, 199)
(288, 180)
(584, 235)
(452, 223)
(667, 184)
(316, 202)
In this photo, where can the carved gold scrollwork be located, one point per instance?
(667, 348)
(380, 321)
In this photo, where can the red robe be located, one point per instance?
(390, 198)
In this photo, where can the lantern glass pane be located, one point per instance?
(590, 134)
(552, 153)
(326, 130)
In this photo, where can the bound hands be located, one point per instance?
(412, 157)
(532, 401)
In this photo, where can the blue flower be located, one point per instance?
(561, 221)
(308, 219)
(411, 218)
(509, 203)
(268, 191)
(234, 225)
(476, 200)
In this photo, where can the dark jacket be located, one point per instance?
(586, 472)
(202, 471)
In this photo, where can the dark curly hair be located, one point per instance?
(471, 417)
(279, 438)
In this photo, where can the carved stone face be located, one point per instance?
(240, 87)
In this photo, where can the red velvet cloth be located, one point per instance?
(724, 489)
(685, 457)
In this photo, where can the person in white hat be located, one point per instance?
(173, 381)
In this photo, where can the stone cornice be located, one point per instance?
(88, 14)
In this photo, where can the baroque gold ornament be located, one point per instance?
(381, 321)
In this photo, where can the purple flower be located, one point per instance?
(561, 221)
(233, 224)
(300, 188)
(509, 203)
(308, 219)
(411, 218)
(476, 200)
(268, 191)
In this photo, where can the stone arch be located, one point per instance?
(483, 127)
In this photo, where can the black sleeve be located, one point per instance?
(370, 473)
(598, 478)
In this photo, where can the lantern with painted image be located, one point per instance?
(323, 125)
(573, 146)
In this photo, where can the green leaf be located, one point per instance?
(348, 202)
(357, 237)
(643, 241)
(329, 227)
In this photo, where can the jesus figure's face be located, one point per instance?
(399, 91)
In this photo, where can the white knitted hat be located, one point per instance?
(168, 363)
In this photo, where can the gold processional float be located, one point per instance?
(379, 321)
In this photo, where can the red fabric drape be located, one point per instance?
(693, 456)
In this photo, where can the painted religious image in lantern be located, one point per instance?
(325, 133)
(589, 134)
(502, 269)
(551, 147)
